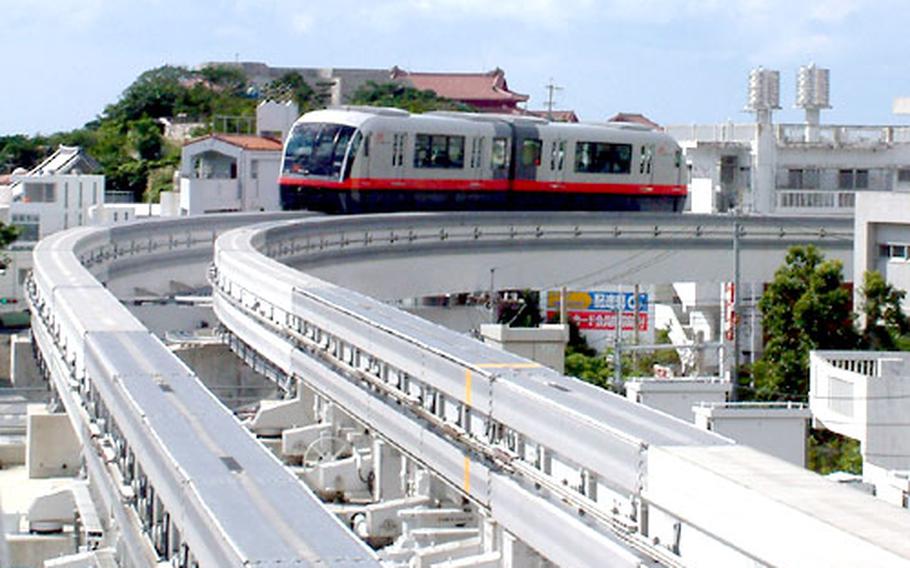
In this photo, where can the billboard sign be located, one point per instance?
(602, 310)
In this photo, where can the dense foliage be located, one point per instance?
(126, 139)
(401, 96)
(885, 323)
(805, 307)
(584, 362)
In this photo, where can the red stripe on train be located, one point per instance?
(486, 185)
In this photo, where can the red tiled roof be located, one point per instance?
(556, 115)
(245, 141)
(635, 118)
(464, 87)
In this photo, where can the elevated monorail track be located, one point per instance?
(582, 476)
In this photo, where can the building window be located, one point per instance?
(439, 151)
(254, 169)
(853, 179)
(903, 175)
(803, 178)
(39, 193)
(897, 252)
(28, 225)
(603, 158)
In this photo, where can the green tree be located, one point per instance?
(404, 97)
(156, 93)
(805, 307)
(225, 78)
(293, 86)
(883, 317)
(159, 179)
(21, 151)
(145, 139)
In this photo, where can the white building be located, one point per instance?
(799, 169)
(56, 194)
(62, 191)
(881, 240)
(229, 172)
(236, 172)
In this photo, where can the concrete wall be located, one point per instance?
(778, 431)
(676, 397)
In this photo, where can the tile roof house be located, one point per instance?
(634, 118)
(487, 92)
(555, 115)
(229, 172)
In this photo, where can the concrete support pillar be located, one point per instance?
(23, 370)
(545, 344)
(387, 466)
(53, 449)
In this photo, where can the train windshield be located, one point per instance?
(318, 149)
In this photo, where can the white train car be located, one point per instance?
(364, 159)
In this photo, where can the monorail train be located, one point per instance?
(364, 159)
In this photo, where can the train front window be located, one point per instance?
(317, 149)
(603, 158)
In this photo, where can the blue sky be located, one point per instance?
(677, 61)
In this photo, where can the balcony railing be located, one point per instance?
(843, 135)
(814, 201)
(843, 386)
(717, 133)
(795, 134)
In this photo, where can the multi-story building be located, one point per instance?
(799, 169)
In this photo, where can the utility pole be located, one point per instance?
(492, 291)
(635, 315)
(551, 90)
(734, 376)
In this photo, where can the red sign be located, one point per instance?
(601, 320)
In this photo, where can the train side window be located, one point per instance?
(553, 147)
(439, 151)
(500, 158)
(530, 152)
(562, 155)
(644, 165)
(603, 158)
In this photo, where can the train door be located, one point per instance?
(501, 152)
(476, 158)
(527, 153)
